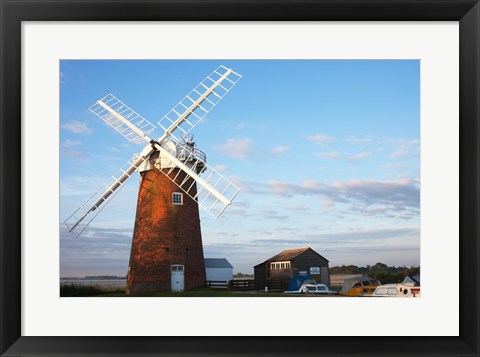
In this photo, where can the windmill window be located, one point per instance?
(177, 198)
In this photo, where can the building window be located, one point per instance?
(177, 198)
(280, 265)
(177, 267)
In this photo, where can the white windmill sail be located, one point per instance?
(106, 108)
(183, 117)
(215, 192)
(81, 218)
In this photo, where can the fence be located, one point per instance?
(248, 284)
(274, 285)
(242, 284)
(216, 284)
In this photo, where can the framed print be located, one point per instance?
(293, 58)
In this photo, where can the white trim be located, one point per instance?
(173, 198)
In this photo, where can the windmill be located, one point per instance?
(167, 251)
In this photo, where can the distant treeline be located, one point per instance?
(95, 277)
(241, 275)
(382, 272)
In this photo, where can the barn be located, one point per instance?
(218, 269)
(290, 263)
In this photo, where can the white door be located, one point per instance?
(177, 277)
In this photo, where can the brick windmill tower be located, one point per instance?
(167, 251)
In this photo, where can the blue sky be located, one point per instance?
(326, 153)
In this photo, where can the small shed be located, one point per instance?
(291, 263)
(218, 269)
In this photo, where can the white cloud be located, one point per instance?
(336, 155)
(354, 139)
(320, 139)
(302, 208)
(113, 149)
(245, 186)
(406, 149)
(77, 127)
(397, 194)
(328, 203)
(360, 156)
(332, 155)
(399, 199)
(80, 186)
(75, 154)
(220, 168)
(288, 189)
(271, 214)
(71, 143)
(237, 148)
(278, 151)
(243, 148)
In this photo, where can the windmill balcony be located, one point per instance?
(189, 154)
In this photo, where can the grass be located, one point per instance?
(72, 290)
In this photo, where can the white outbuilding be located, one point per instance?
(218, 269)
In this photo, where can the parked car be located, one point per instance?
(312, 288)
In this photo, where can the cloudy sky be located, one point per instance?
(326, 153)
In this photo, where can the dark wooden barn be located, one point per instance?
(290, 263)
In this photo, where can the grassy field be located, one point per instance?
(73, 290)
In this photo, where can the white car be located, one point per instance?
(312, 288)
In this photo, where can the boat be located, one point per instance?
(359, 286)
(409, 287)
(307, 285)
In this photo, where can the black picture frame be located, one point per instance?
(13, 12)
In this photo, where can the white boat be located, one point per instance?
(410, 287)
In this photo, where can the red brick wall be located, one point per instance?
(164, 234)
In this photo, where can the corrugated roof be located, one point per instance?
(217, 263)
(288, 255)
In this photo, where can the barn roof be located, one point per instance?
(217, 263)
(288, 255)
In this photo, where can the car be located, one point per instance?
(312, 288)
